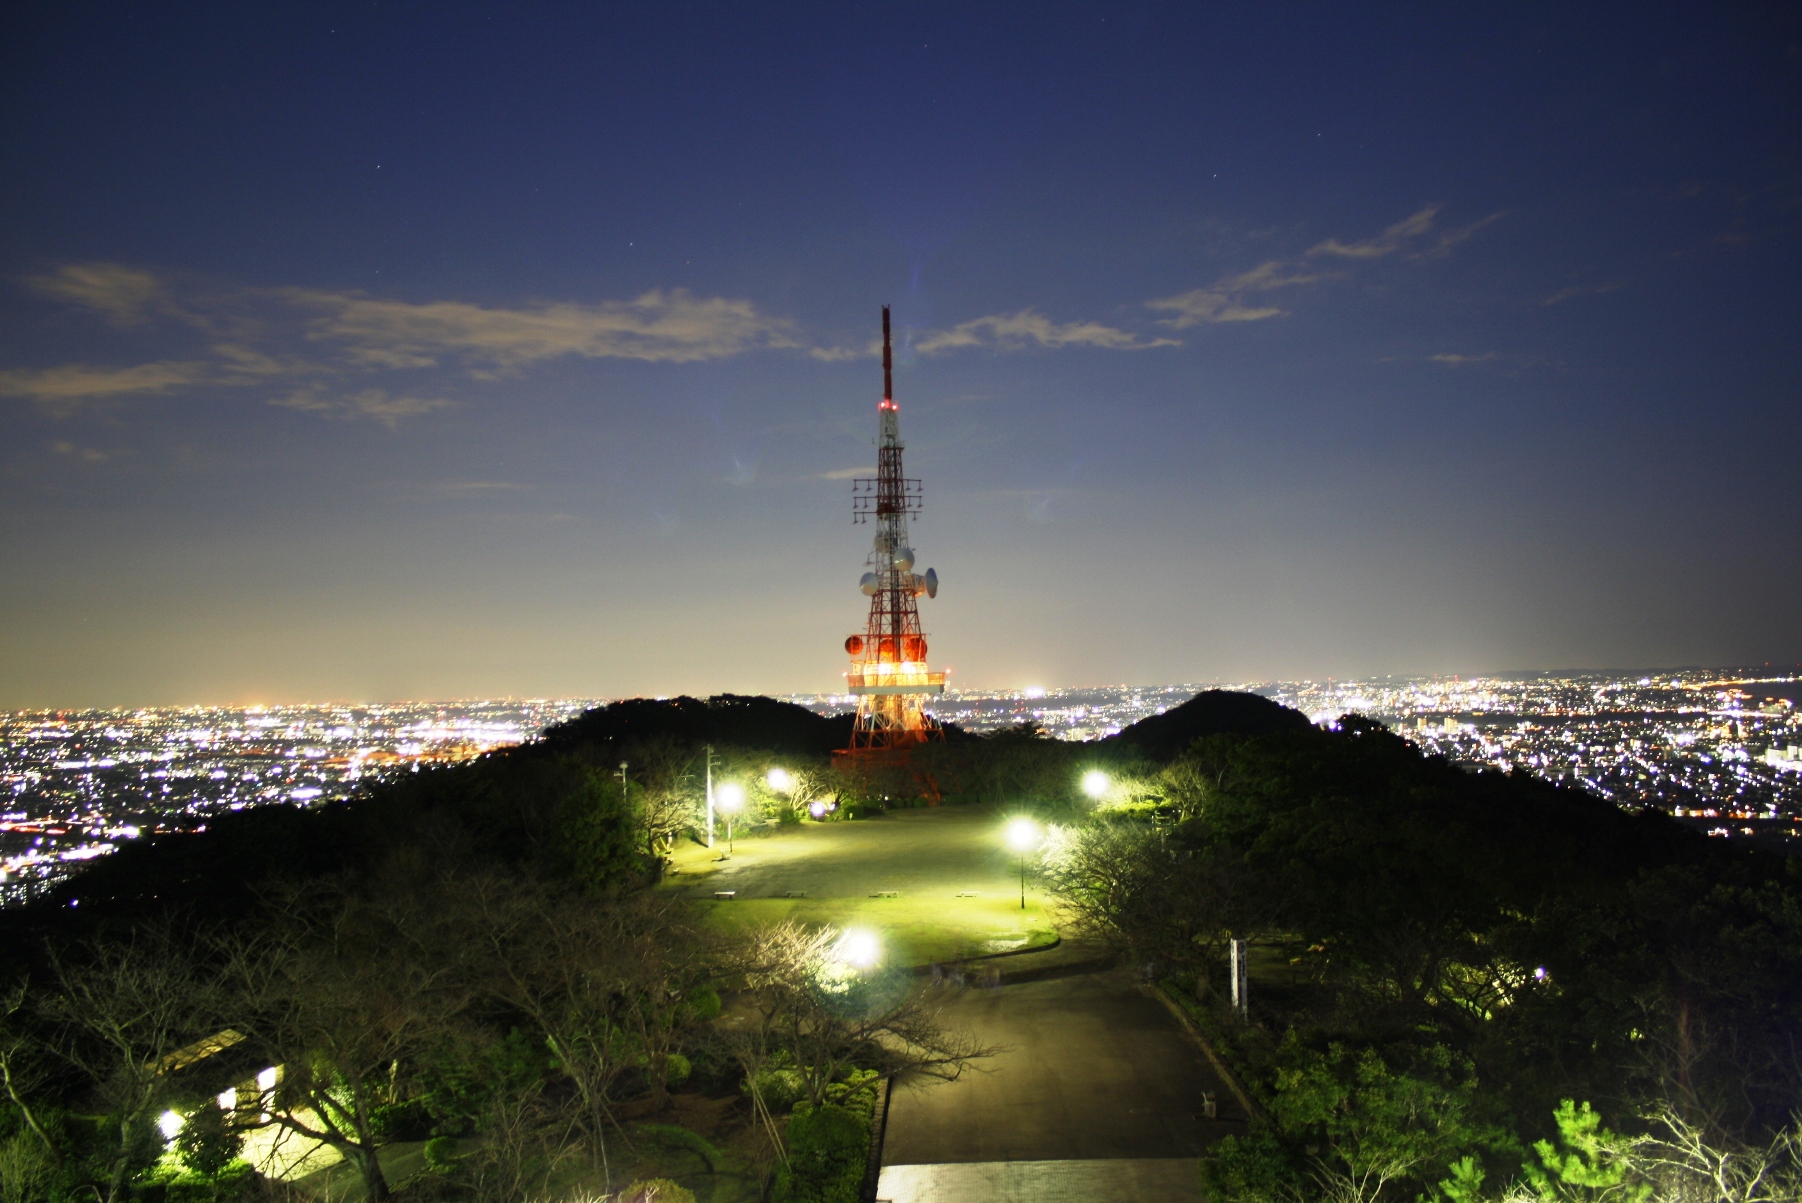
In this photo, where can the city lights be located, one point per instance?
(1719, 750)
(74, 784)
(1698, 744)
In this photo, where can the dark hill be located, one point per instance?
(726, 720)
(1211, 712)
(501, 810)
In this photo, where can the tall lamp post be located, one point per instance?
(732, 796)
(710, 797)
(1022, 837)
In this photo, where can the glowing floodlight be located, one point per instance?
(1022, 835)
(1095, 783)
(817, 810)
(169, 1123)
(780, 780)
(860, 950)
(730, 798)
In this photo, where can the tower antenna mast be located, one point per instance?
(889, 674)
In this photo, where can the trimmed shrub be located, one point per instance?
(828, 1148)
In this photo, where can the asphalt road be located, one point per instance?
(1096, 1070)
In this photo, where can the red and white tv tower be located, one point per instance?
(888, 673)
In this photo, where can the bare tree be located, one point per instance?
(804, 787)
(1686, 1165)
(339, 991)
(27, 1173)
(1121, 881)
(523, 1142)
(665, 770)
(804, 997)
(570, 966)
(125, 1008)
(668, 961)
(21, 1058)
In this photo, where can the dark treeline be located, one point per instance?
(1443, 958)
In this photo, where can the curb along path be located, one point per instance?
(1220, 1066)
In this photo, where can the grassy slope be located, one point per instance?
(930, 857)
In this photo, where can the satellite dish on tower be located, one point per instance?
(904, 558)
(868, 584)
(932, 582)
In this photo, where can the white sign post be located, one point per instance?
(1241, 977)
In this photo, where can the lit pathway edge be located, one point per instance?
(1220, 1066)
(1152, 1180)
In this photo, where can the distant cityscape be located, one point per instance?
(1722, 750)
(78, 782)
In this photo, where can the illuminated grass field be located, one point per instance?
(951, 889)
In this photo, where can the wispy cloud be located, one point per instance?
(1229, 300)
(658, 327)
(1245, 297)
(1454, 359)
(485, 486)
(312, 348)
(1029, 328)
(1388, 242)
(372, 404)
(87, 455)
(1447, 239)
(62, 390)
(240, 364)
(841, 354)
(846, 473)
(121, 295)
(251, 336)
(1580, 290)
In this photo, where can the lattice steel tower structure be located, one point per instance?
(888, 673)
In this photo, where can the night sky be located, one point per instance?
(376, 351)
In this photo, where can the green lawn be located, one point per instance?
(956, 889)
(914, 930)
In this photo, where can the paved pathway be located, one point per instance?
(1042, 1181)
(1099, 1097)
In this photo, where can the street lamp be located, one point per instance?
(710, 797)
(1094, 784)
(780, 780)
(1022, 837)
(731, 796)
(859, 949)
